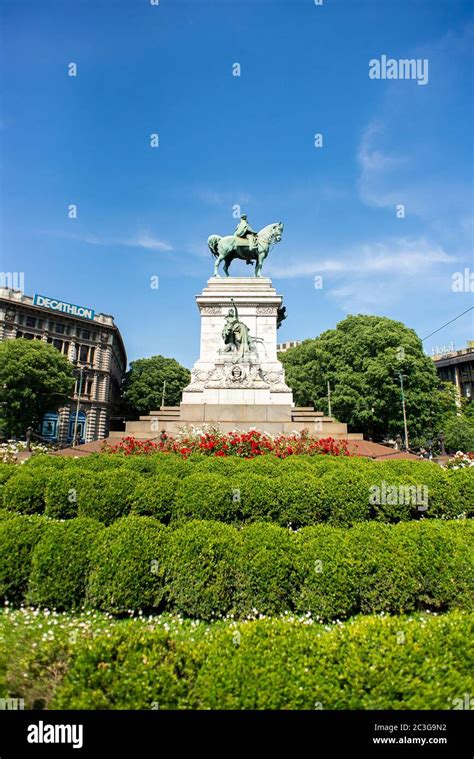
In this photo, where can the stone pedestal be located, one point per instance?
(220, 378)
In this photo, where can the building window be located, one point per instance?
(81, 427)
(49, 427)
(86, 334)
(60, 345)
(59, 328)
(84, 354)
(30, 321)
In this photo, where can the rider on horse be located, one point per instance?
(245, 231)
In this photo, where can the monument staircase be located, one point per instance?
(171, 419)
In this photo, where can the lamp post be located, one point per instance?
(79, 393)
(329, 400)
(163, 394)
(81, 370)
(405, 427)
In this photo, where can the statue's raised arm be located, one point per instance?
(234, 306)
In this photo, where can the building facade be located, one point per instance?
(458, 367)
(283, 347)
(92, 342)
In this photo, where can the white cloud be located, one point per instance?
(146, 241)
(371, 277)
(212, 197)
(402, 255)
(140, 240)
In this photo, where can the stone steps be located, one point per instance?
(115, 437)
(150, 429)
(165, 410)
(167, 413)
(313, 418)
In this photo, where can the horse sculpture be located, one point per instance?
(228, 248)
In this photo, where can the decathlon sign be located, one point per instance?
(64, 308)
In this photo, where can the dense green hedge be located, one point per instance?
(154, 496)
(6, 471)
(297, 491)
(103, 495)
(126, 566)
(377, 567)
(203, 571)
(61, 563)
(206, 569)
(18, 538)
(368, 663)
(24, 491)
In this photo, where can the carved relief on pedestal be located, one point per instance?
(211, 310)
(229, 375)
(198, 378)
(275, 379)
(236, 376)
(266, 310)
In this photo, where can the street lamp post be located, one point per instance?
(81, 376)
(329, 400)
(163, 394)
(401, 376)
(81, 370)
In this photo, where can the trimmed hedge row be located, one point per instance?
(206, 569)
(369, 663)
(60, 563)
(297, 491)
(18, 538)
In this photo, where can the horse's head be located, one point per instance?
(272, 232)
(277, 231)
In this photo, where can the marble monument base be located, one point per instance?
(221, 376)
(236, 389)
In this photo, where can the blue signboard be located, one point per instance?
(62, 307)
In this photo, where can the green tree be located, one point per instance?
(362, 359)
(143, 383)
(449, 401)
(34, 378)
(459, 434)
(469, 412)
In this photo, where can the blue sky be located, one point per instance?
(243, 140)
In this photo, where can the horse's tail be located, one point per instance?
(212, 243)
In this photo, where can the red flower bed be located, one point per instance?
(247, 445)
